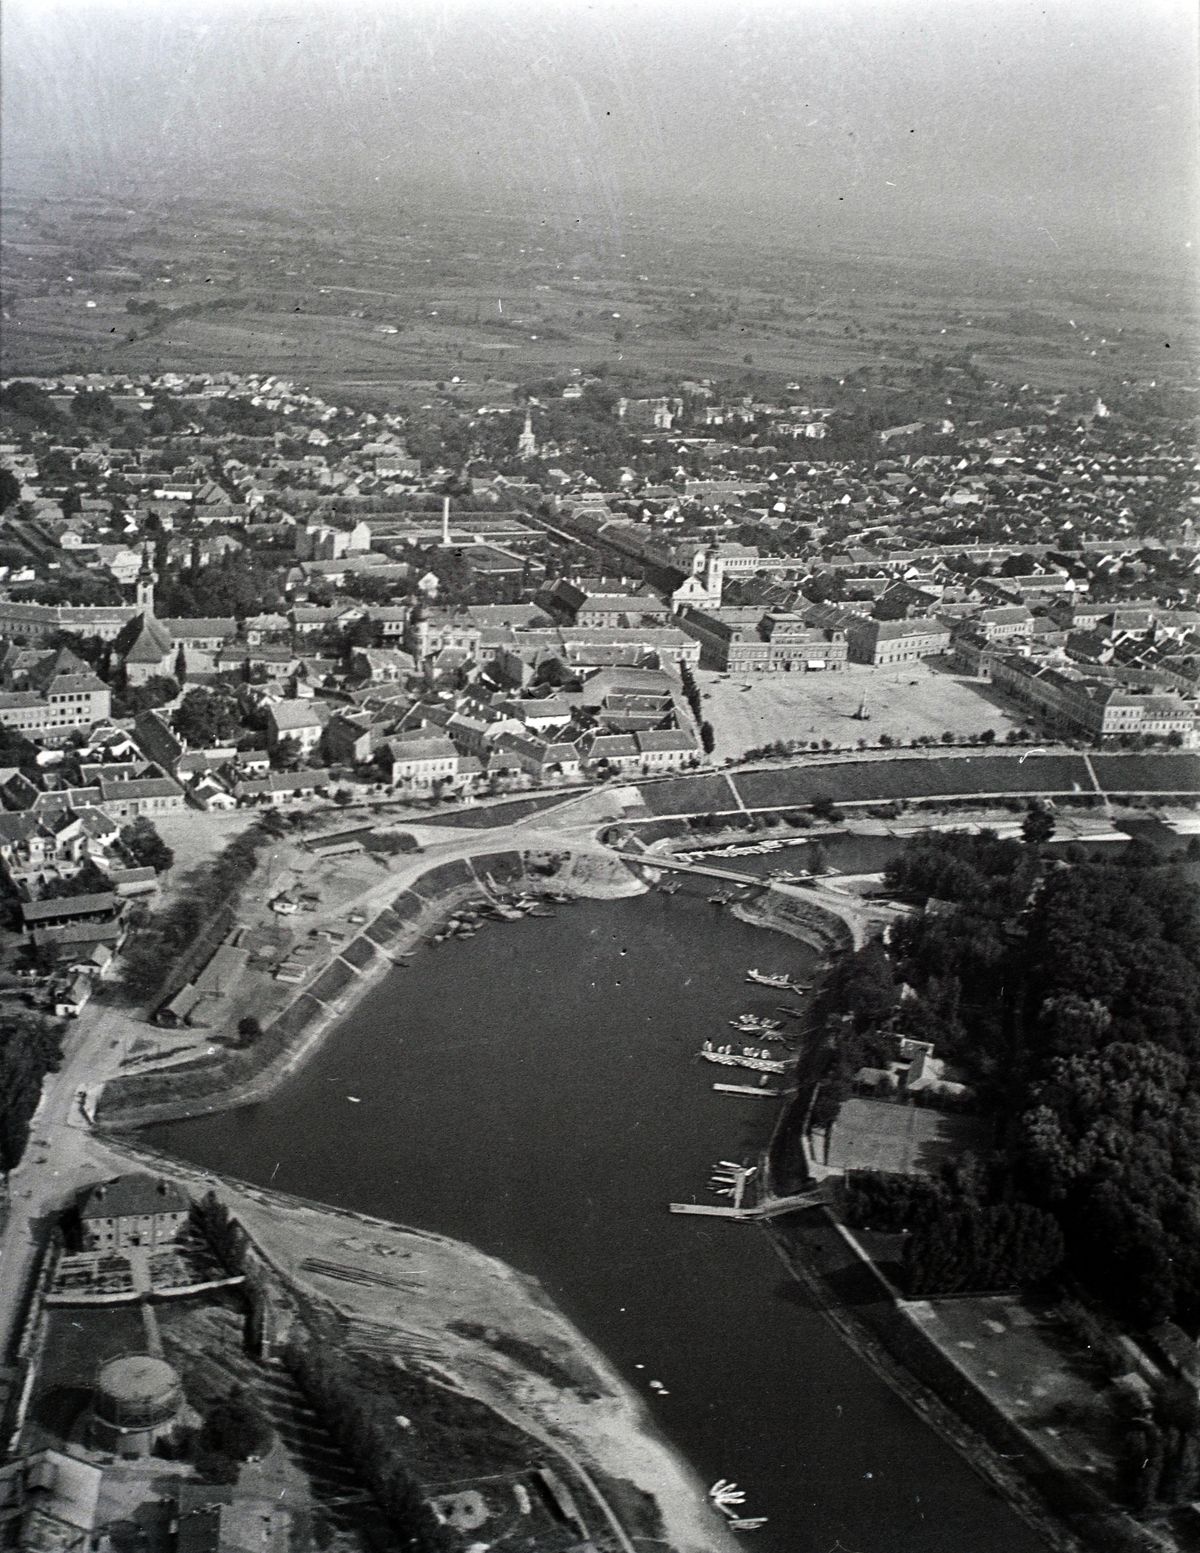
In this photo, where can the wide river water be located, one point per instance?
(535, 1091)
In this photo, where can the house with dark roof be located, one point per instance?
(132, 1210)
(158, 741)
(99, 906)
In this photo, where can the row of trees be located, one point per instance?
(365, 1426)
(191, 918)
(30, 1047)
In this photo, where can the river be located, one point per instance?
(535, 1091)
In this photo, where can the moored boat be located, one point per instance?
(780, 980)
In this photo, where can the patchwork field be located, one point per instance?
(368, 306)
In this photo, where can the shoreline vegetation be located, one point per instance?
(895, 1332)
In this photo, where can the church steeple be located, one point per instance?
(527, 443)
(146, 578)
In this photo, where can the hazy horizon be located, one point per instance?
(1063, 133)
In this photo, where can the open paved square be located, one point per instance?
(876, 1135)
(909, 702)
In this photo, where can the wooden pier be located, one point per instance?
(769, 1208)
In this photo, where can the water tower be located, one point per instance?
(138, 1400)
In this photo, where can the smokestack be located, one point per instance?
(445, 520)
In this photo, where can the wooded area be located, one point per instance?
(1069, 996)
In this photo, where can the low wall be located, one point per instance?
(78, 1301)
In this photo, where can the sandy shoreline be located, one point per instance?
(597, 1423)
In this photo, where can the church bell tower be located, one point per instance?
(146, 579)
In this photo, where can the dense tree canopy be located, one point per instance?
(1069, 993)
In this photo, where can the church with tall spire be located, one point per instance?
(527, 443)
(146, 578)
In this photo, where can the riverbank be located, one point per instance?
(473, 1319)
(858, 1304)
(431, 894)
(797, 918)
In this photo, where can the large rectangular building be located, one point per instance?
(751, 641)
(1076, 702)
(69, 701)
(881, 643)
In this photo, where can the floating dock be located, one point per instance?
(748, 1089)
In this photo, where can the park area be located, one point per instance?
(901, 1139)
(910, 701)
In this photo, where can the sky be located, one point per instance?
(999, 126)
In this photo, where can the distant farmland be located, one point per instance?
(312, 298)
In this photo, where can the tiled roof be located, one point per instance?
(130, 1197)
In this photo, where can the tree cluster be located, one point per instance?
(972, 1249)
(239, 584)
(30, 1047)
(1070, 994)
(365, 1426)
(204, 719)
(1162, 1450)
(233, 1430)
(145, 847)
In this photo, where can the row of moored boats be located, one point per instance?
(467, 921)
